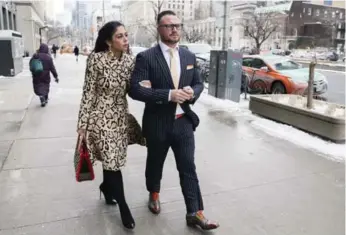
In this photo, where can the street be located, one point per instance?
(336, 86)
(252, 183)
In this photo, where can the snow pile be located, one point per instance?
(329, 109)
(282, 131)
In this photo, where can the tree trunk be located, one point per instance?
(311, 84)
(258, 48)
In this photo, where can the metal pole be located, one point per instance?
(40, 32)
(224, 41)
(103, 11)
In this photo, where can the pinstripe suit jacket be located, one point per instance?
(159, 113)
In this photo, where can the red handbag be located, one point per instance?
(83, 166)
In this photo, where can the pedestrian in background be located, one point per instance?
(54, 50)
(104, 122)
(41, 65)
(76, 52)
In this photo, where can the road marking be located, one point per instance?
(334, 71)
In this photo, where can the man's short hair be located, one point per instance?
(164, 13)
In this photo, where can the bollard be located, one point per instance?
(311, 84)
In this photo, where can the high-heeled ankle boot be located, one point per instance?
(119, 195)
(105, 188)
(108, 196)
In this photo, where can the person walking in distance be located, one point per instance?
(168, 120)
(76, 52)
(41, 65)
(54, 50)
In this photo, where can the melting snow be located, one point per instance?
(282, 131)
(330, 109)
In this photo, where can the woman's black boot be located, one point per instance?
(118, 189)
(105, 188)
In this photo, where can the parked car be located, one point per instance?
(201, 50)
(280, 75)
(203, 67)
(332, 56)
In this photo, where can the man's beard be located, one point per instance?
(170, 41)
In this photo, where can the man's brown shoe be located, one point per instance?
(154, 204)
(199, 220)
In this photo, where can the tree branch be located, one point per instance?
(260, 27)
(52, 38)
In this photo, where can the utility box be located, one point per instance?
(225, 75)
(12, 52)
(213, 73)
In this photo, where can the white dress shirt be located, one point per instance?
(165, 50)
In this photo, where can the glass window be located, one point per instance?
(309, 11)
(304, 10)
(286, 65)
(340, 15)
(247, 62)
(258, 63)
(317, 12)
(333, 14)
(325, 13)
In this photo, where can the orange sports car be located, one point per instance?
(280, 75)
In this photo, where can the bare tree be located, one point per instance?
(260, 27)
(193, 36)
(151, 26)
(55, 32)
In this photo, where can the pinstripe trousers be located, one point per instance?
(181, 140)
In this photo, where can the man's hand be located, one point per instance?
(189, 91)
(180, 96)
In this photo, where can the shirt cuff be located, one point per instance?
(169, 95)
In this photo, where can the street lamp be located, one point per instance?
(40, 31)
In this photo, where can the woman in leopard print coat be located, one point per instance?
(104, 121)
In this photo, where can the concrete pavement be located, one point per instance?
(252, 183)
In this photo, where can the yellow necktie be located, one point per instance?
(174, 68)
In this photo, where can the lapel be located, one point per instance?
(162, 62)
(183, 65)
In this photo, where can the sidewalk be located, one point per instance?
(252, 183)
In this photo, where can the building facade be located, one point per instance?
(8, 16)
(301, 24)
(30, 18)
(140, 17)
(204, 29)
(313, 24)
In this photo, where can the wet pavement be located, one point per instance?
(251, 182)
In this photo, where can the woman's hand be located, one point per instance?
(145, 83)
(82, 137)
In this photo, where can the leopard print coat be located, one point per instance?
(104, 110)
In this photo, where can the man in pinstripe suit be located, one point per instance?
(166, 79)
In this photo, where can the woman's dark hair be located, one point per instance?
(105, 34)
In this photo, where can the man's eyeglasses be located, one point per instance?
(172, 26)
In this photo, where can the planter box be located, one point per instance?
(326, 120)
